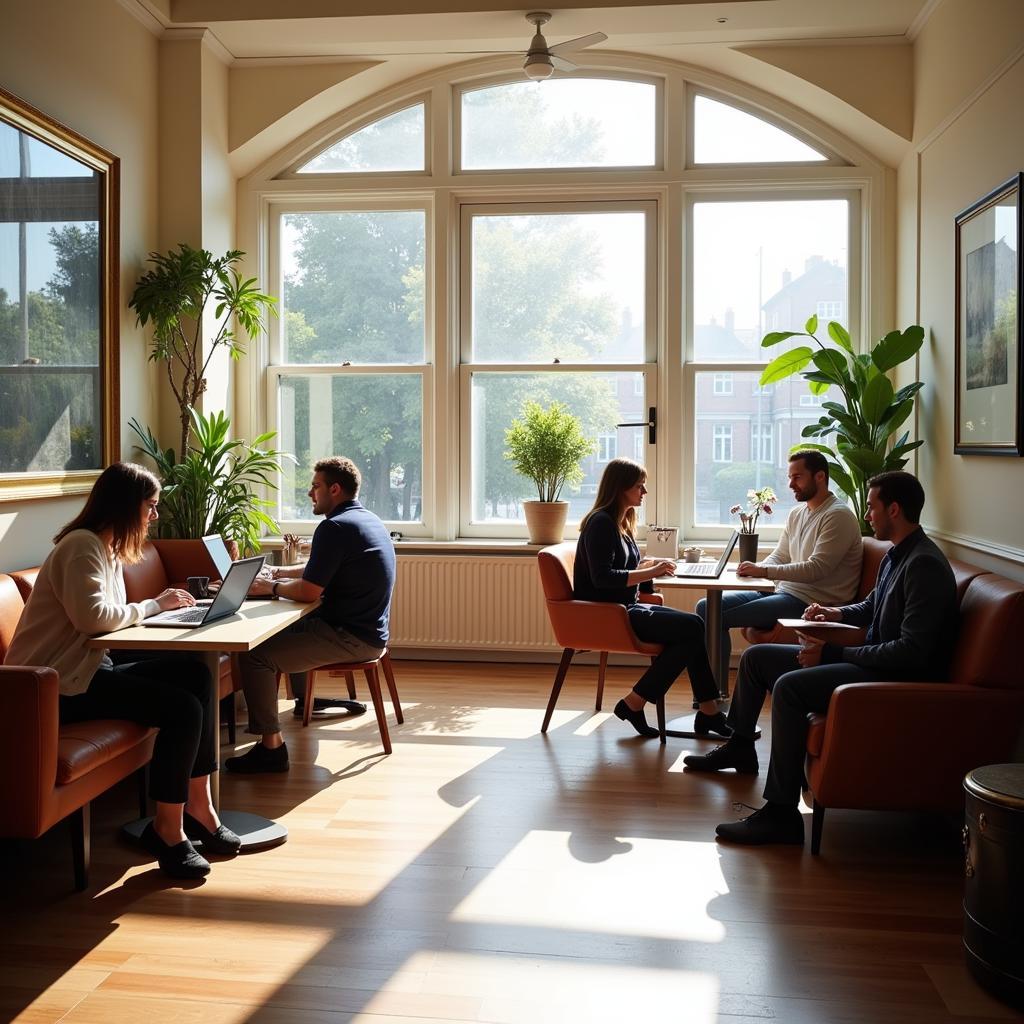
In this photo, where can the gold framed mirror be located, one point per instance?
(59, 306)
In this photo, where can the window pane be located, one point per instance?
(498, 398)
(353, 287)
(723, 134)
(765, 266)
(376, 420)
(394, 143)
(744, 440)
(579, 122)
(558, 286)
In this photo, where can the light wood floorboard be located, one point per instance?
(486, 873)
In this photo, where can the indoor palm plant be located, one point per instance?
(866, 422)
(547, 446)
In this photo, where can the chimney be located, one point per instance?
(786, 278)
(730, 321)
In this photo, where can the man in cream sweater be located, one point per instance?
(817, 559)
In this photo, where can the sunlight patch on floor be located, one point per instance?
(496, 723)
(540, 883)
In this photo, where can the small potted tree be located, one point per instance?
(547, 446)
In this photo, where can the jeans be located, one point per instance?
(683, 637)
(752, 608)
(796, 692)
(306, 644)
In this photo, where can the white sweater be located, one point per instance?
(79, 592)
(818, 558)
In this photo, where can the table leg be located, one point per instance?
(255, 831)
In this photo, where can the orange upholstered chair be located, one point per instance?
(586, 625)
(907, 746)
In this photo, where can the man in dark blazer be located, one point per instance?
(911, 618)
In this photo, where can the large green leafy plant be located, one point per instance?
(175, 296)
(213, 489)
(547, 446)
(866, 422)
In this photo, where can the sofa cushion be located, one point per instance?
(85, 746)
(11, 606)
(991, 625)
(816, 734)
(146, 578)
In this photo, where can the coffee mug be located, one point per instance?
(692, 554)
(197, 586)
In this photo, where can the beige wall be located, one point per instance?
(92, 66)
(969, 81)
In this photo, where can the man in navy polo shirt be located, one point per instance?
(351, 572)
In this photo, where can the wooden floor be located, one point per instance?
(487, 873)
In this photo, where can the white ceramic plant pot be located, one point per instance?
(546, 520)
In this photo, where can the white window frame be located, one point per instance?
(721, 439)
(607, 447)
(830, 310)
(765, 440)
(721, 385)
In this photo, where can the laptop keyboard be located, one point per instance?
(700, 569)
(190, 615)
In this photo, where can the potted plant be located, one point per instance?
(758, 501)
(872, 411)
(547, 446)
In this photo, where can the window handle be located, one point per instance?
(651, 424)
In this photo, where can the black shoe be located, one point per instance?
(181, 860)
(326, 704)
(258, 760)
(773, 823)
(705, 725)
(635, 719)
(222, 841)
(741, 756)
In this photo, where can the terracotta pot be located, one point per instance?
(546, 520)
(748, 547)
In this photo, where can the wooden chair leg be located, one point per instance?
(660, 705)
(602, 665)
(389, 676)
(80, 836)
(350, 681)
(142, 780)
(817, 821)
(556, 689)
(373, 682)
(307, 708)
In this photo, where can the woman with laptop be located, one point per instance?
(80, 592)
(608, 568)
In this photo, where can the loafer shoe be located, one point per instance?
(773, 823)
(705, 725)
(180, 860)
(259, 760)
(321, 704)
(635, 719)
(222, 840)
(741, 756)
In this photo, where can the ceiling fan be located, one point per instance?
(541, 59)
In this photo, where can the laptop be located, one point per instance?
(229, 598)
(218, 552)
(707, 570)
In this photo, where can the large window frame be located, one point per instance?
(668, 190)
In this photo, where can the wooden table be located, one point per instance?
(713, 588)
(253, 623)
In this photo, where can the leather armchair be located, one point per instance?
(907, 746)
(586, 625)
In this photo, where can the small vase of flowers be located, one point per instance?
(763, 500)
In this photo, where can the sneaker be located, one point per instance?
(181, 860)
(741, 756)
(325, 705)
(773, 823)
(259, 760)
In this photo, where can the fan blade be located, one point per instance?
(579, 43)
(561, 64)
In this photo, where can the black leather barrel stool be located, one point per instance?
(994, 892)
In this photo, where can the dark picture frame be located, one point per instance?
(989, 415)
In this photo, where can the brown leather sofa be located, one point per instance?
(907, 746)
(54, 771)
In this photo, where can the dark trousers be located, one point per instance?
(173, 693)
(796, 692)
(683, 637)
(751, 608)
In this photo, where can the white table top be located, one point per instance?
(727, 581)
(253, 623)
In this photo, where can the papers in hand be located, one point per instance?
(806, 625)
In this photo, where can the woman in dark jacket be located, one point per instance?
(608, 568)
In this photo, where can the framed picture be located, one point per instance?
(989, 380)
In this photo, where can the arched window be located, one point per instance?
(724, 134)
(393, 143)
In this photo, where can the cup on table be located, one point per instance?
(692, 554)
(198, 586)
